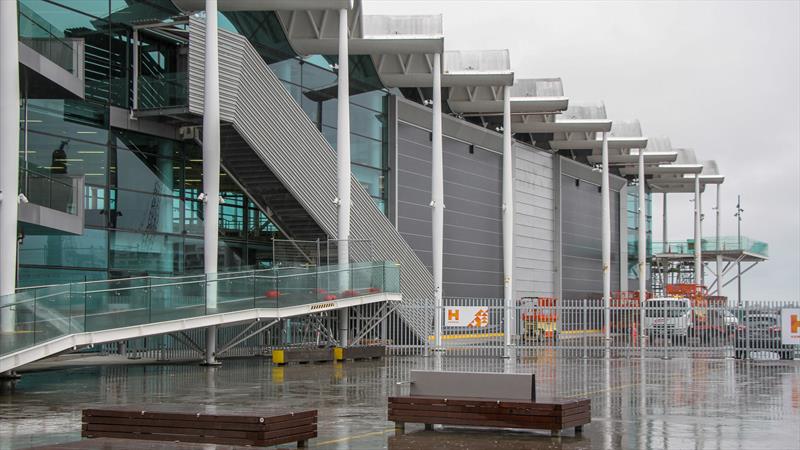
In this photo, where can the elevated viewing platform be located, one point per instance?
(43, 321)
(730, 247)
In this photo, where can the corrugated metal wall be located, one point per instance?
(581, 223)
(534, 223)
(273, 124)
(473, 241)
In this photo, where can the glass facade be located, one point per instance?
(633, 233)
(142, 216)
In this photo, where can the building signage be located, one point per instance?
(467, 316)
(790, 326)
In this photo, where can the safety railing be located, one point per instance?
(55, 191)
(49, 41)
(663, 328)
(709, 243)
(36, 315)
(163, 90)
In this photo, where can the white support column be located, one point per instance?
(606, 241)
(343, 176)
(642, 238)
(664, 222)
(9, 157)
(698, 258)
(211, 167)
(437, 199)
(508, 221)
(718, 230)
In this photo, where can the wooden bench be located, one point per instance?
(206, 426)
(484, 400)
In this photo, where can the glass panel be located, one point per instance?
(287, 71)
(39, 276)
(316, 78)
(371, 179)
(46, 39)
(259, 256)
(368, 152)
(88, 250)
(61, 156)
(54, 191)
(259, 227)
(68, 119)
(145, 172)
(177, 298)
(148, 212)
(117, 303)
(374, 100)
(235, 291)
(134, 254)
(94, 205)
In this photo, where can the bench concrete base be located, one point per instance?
(357, 353)
(301, 355)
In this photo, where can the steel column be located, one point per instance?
(343, 175)
(9, 157)
(508, 220)
(606, 240)
(437, 199)
(664, 223)
(642, 236)
(698, 264)
(211, 168)
(719, 256)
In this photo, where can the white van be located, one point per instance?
(668, 317)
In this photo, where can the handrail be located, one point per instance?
(45, 313)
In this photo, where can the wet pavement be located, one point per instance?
(679, 403)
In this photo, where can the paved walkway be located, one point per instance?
(677, 404)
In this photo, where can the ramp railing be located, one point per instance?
(36, 315)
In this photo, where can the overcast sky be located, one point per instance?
(722, 78)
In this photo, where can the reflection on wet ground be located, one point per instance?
(636, 403)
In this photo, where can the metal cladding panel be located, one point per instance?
(534, 250)
(581, 222)
(258, 106)
(473, 247)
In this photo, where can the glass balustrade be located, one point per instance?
(39, 314)
(51, 190)
(709, 244)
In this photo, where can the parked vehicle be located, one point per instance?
(668, 318)
(761, 332)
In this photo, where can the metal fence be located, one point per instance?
(587, 328)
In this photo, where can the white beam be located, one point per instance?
(606, 240)
(343, 175)
(9, 157)
(719, 256)
(698, 263)
(508, 220)
(642, 237)
(211, 168)
(437, 198)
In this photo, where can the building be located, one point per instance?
(113, 100)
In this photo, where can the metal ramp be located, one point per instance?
(45, 321)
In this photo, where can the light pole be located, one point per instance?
(738, 216)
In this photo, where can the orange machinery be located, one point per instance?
(539, 321)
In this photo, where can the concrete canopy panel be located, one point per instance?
(619, 143)
(650, 158)
(265, 5)
(563, 126)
